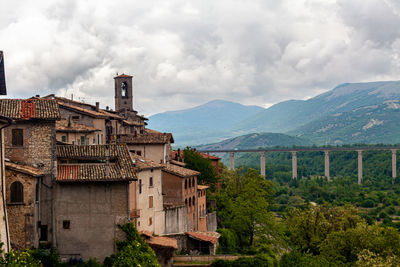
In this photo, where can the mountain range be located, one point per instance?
(349, 113)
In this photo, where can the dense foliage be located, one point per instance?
(195, 161)
(133, 251)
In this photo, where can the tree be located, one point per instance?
(134, 251)
(309, 228)
(194, 161)
(346, 245)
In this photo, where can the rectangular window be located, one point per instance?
(140, 186)
(98, 139)
(66, 224)
(63, 139)
(151, 182)
(75, 117)
(82, 140)
(139, 152)
(43, 233)
(17, 137)
(150, 221)
(150, 202)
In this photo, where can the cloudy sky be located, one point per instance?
(184, 53)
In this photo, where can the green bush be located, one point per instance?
(259, 261)
(20, 259)
(368, 203)
(134, 251)
(228, 242)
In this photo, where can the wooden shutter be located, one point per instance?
(17, 137)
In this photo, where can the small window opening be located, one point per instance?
(66, 224)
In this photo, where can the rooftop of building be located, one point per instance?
(29, 170)
(142, 163)
(202, 187)
(180, 154)
(29, 109)
(64, 125)
(123, 75)
(94, 163)
(159, 241)
(211, 237)
(180, 171)
(147, 137)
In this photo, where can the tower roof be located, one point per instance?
(123, 75)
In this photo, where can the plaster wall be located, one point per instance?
(93, 210)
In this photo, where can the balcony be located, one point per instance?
(134, 214)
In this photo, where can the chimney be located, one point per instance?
(69, 121)
(107, 108)
(97, 106)
(37, 95)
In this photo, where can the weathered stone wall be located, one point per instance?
(176, 220)
(21, 216)
(93, 210)
(38, 150)
(212, 221)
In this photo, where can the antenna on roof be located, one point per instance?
(117, 73)
(72, 96)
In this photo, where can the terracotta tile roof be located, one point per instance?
(211, 237)
(26, 109)
(152, 137)
(123, 75)
(162, 241)
(204, 155)
(202, 187)
(62, 126)
(142, 163)
(135, 123)
(178, 163)
(121, 167)
(159, 241)
(207, 156)
(35, 172)
(85, 106)
(89, 112)
(179, 171)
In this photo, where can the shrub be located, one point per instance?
(20, 258)
(228, 242)
(368, 203)
(134, 251)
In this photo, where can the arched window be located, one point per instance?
(124, 89)
(193, 201)
(17, 192)
(185, 183)
(190, 184)
(193, 183)
(186, 201)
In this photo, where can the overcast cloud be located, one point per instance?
(184, 53)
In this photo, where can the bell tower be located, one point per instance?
(123, 92)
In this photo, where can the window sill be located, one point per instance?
(16, 204)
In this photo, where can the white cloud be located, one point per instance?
(185, 53)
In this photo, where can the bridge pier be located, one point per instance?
(262, 163)
(232, 160)
(394, 164)
(327, 165)
(360, 167)
(294, 164)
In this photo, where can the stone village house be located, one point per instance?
(51, 204)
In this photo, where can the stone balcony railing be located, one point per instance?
(135, 213)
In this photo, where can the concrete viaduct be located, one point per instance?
(294, 151)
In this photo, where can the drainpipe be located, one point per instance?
(3, 176)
